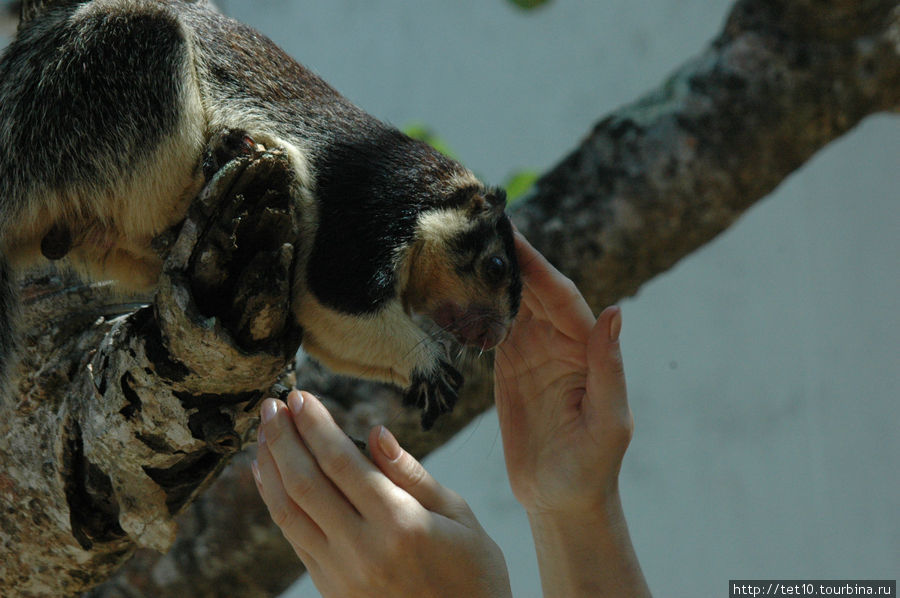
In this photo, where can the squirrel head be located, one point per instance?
(462, 271)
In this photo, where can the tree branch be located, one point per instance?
(102, 451)
(659, 178)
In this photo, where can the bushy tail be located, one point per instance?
(9, 311)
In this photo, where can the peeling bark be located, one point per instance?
(123, 420)
(128, 434)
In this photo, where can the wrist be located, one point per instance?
(604, 517)
(587, 552)
(600, 503)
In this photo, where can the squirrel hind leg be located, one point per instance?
(133, 270)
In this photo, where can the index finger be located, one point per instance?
(549, 294)
(361, 482)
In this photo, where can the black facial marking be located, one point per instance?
(505, 231)
(473, 241)
(372, 187)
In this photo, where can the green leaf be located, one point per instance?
(425, 133)
(519, 183)
(529, 4)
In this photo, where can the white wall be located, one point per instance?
(764, 370)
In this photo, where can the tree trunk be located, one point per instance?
(105, 448)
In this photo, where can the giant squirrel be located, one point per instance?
(107, 109)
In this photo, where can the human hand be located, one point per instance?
(368, 529)
(560, 391)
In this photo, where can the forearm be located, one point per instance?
(587, 554)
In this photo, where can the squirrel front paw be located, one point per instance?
(225, 146)
(434, 392)
(241, 269)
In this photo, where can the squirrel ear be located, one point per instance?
(496, 197)
(477, 204)
(492, 200)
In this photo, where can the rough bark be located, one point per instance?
(651, 183)
(122, 421)
(664, 175)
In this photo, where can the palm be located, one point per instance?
(540, 389)
(560, 398)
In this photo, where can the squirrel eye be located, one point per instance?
(495, 268)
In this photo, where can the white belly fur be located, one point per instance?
(384, 346)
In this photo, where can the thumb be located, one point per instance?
(407, 473)
(607, 398)
(606, 371)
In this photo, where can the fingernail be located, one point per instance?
(295, 402)
(615, 324)
(261, 437)
(254, 467)
(389, 445)
(269, 409)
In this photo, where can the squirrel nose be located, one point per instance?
(482, 333)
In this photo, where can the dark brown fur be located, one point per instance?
(108, 107)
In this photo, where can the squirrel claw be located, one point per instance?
(225, 146)
(434, 392)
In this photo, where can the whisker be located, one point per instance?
(499, 382)
(473, 428)
(500, 388)
(429, 335)
(494, 442)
